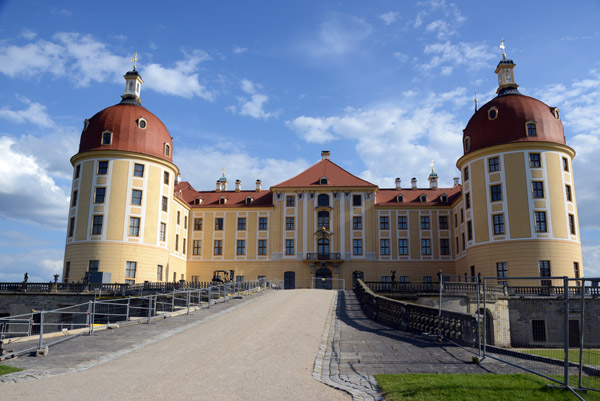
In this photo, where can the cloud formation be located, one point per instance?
(34, 114)
(253, 106)
(389, 17)
(338, 36)
(75, 56)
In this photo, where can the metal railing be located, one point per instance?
(48, 328)
(323, 256)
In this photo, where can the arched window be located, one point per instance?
(323, 219)
(323, 247)
(167, 150)
(444, 198)
(323, 181)
(222, 200)
(423, 198)
(249, 200)
(323, 200)
(399, 198)
(106, 138)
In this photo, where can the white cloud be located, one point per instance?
(182, 80)
(390, 137)
(253, 106)
(389, 17)
(201, 167)
(339, 36)
(402, 57)
(447, 56)
(28, 34)
(239, 50)
(75, 57)
(23, 181)
(447, 18)
(34, 114)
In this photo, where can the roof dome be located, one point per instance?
(510, 118)
(128, 127)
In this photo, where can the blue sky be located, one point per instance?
(262, 88)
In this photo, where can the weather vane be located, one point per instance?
(431, 165)
(223, 171)
(134, 59)
(503, 48)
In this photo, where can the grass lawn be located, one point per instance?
(590, 356)
(466, 387)
(8, 369)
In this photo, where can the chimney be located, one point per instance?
(224, 185)
(258, 185)
(238, 185)
(178, 179)
(413, 183)
(218, 186)
(325, 155)
(456, 181)
(397, 181)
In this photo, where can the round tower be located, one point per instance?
(124, 220)
(518, 215)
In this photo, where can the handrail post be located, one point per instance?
(566, 330)
(93, 316)
(88, 317)
(209, 297)
(149, 308)
(41, 340)
(189, 293)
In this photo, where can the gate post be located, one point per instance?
(188, 301)
(93, 316)
(41, 340)
(566, 330)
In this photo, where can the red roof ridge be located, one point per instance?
(336, 177)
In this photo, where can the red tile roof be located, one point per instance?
(233, 199)
(336, 177)
(411, 198)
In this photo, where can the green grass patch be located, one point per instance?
(8, 369)
(590, 356)
(467, 387)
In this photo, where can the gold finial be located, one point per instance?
(503, 48)
(134, 59)
(475, 91)
(431, 165)
(223, 171)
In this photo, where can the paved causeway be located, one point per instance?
(270, 346)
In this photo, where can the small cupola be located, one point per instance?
(223, 180)
(506, 78)
(433, 178)
(133, 84)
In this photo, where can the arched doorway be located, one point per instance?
(289, 280)
(323, 278)
(489, 326)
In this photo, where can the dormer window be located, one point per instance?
(222, 200)
(556, 113)
(142, 123)
(443, 198)
(400, 198)
(197, 201)
(492, 113)
(106, 138)
(531, 128)
(423, 198)
(86, 124)
(249, 200)
(167, 149)
(467, 143)
(323, 181)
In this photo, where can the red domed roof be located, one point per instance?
(123, 120)
(513, 112)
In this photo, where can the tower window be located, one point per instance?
(134, 226)
(97, 224)
(466, 174)
(492, 113)
(568, 192)
(537, 188)
(77, 171)
(167, 149)
(565, 164)
(572, 224)
(136, 197)
(540, 222)
(496, 192)
(535, 160)
(531, 129)
(467, 144)
(289, 246)
(165, 203)
(142, 123)
(166, 177)
(99, 195)
(494, 164)
(102, 168)
(86, 124)
(138, 170)
(556, 113)
(106, 138)
(498, 224)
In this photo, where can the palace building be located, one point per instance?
(514, 214)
